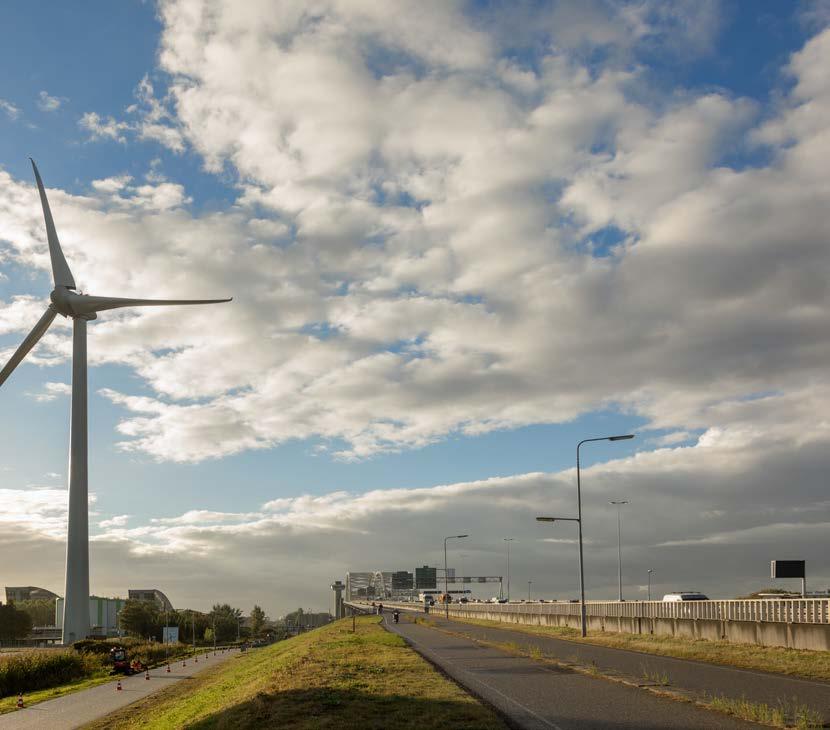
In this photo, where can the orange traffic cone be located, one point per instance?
(20, 701)
(184, 664)
(118, 686)
(147, 674)
(168, 669)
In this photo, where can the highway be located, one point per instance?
(77, 709)
(538, 696)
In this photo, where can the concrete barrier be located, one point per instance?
(789, 634)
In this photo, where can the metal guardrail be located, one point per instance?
(785, 610)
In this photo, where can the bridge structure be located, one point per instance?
(796, 623)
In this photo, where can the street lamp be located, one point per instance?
(578, 520)
(508, 540)
(650, 571)
(619, 503)
(446, 580)
(528, 590)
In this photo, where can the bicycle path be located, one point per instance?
(697, 677)
(79, 708)
(538, 696)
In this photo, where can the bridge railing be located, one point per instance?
(784, 610)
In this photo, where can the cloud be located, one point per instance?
(47, 103)
(148, 119)
(51, 391)
(103, 127)
(288, 550)
(419, 246)
(116, 521)
(11, 111)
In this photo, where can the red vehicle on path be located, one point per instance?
(121, 663)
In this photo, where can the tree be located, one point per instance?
(226, 619)
(14, 624)
(191, 623)
(258, 619)
(40, 610)
(140, 618)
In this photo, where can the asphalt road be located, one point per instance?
(698, 677)
(77, 709)
(538, 696)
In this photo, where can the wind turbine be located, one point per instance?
(81, 308)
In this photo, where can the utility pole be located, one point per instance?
(619, 503)
(446, 578)
(578, 520)
(508, 540)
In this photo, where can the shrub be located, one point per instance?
(27, 671)
(92, 646)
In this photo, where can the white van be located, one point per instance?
(686, 596)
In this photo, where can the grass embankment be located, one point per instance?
(327, 678)
(45, 674)
(794, 662)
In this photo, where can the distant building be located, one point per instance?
(103, 615)
(402, 580)
(28, 593)
(150, 594)
(426, 577)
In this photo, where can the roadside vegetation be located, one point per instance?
(326, 678)
(795, 662)
(46, 673)
(783, 714)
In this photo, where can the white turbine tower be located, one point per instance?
(81, 308)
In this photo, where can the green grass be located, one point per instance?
(794, 662)
(783, 714)
(328, 678)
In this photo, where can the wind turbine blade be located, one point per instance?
(27, 344)
(61, 274)
(85, 304)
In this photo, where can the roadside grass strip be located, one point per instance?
(326, 678)
(783, 714)
(802, 663)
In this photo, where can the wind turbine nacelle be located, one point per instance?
(70, 304)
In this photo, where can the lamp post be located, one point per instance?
(528, 590)
(508, 540)
(650, 571)
(446, 579)
(619, 503)
(578, 520)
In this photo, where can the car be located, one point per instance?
(685, 596)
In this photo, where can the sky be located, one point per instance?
(460, 237)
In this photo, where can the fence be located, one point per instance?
(791, 611)
(794, 623)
